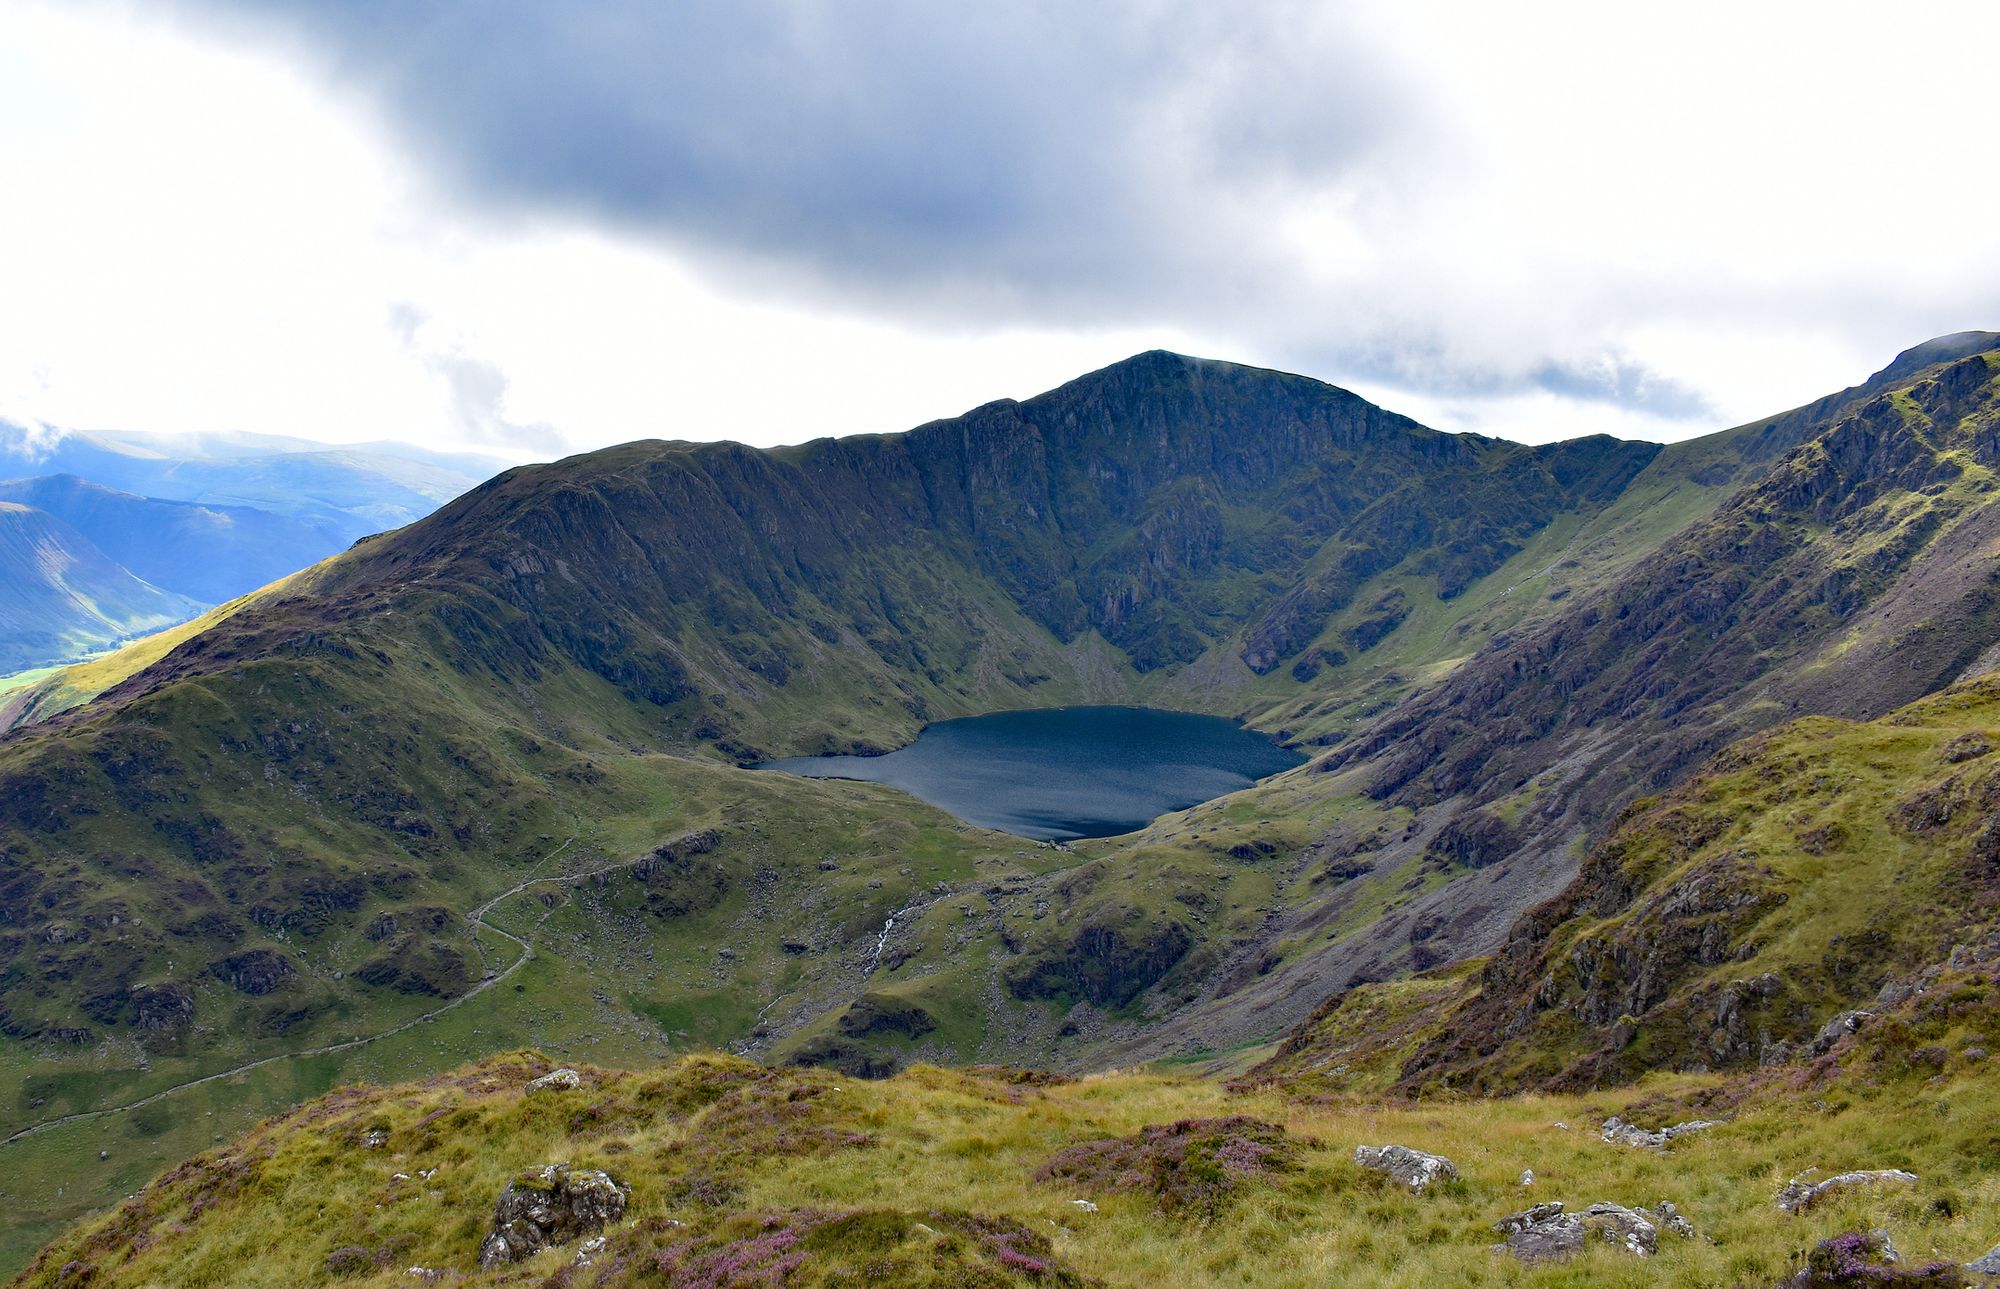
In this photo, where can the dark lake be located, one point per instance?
(1065, 772)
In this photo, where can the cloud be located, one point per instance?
(1624, 382)
(28, 440)
(772, 219)
(1069, 162)
(476, 392)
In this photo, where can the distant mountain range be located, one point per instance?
(139, 532)
(61, 596)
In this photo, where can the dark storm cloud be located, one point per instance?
(1044, 163)
(1065, 157)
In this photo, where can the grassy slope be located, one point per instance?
(1720, 925)
(61, 597)
(49, 691)
(707, 1140)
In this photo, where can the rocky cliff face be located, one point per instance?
(1168, 506)
(1802, 882)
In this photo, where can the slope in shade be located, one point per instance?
(1066, 772)
(60, 596)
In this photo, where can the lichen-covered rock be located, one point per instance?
(1985, 1269)
(549, 1206)
(1668, 1218)
(1836, 1029)
(1630, 1229)
(1412, 1168)
(1515, 1223)
(561, 1080)
(1631, 1134)
(1546, 1233)
(1801, 1193)
(1550, 1241)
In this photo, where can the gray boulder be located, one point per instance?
(1630, 1229)
(1412, 1168)
(1836, 1029)
(561, 1080)
(1801, 1193)
(1546, 1233)
(1668, 1218)
(1543, 1233)
(1631, 1134)
(549, 1206)
(1515, 1223)
(1985, 1269)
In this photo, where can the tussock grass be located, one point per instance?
(898, 1162)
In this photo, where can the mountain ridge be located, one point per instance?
(204, 552)
(554, 678)
(60, 595)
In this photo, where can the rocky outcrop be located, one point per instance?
(551, 1206)
(877, 1014)
(162, 1008)
(562, 1080)
(1548, 1233)
(1801, 1193)
(1833, 1031)
(1102, 963)
(256, 972)
(1415, 1169)
(1631, 1134)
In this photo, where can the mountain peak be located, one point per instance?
(1939, 349)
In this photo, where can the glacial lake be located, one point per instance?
(1065, 772)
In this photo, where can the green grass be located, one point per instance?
(286, 1196)
(22, 679)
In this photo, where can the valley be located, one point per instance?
(479, 785)
(109, 537)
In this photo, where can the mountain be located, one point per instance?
(60, 595)
(208, 517)
(333, 819)
(353, 491)
(1803, 884)
(206, 553)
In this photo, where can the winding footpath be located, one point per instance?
(476, 918)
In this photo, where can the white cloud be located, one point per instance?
(1741, 208)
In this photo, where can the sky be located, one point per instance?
(533, 229)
